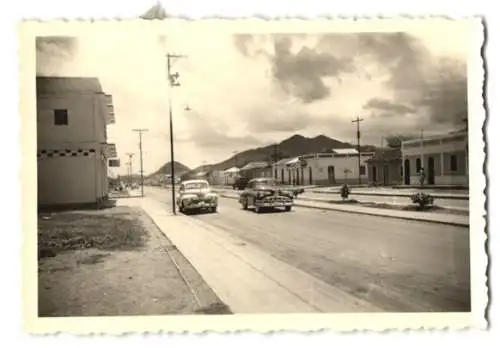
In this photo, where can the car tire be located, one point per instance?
(288, 208)
(214, 210)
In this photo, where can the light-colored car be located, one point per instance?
(196, 195)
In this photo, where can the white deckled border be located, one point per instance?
(258, 323)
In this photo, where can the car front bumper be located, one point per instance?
(200, 205)
(273, 204)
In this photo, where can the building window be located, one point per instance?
(61, 117)
(453, 163)
(362, 170)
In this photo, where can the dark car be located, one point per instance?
(263, 193)
(240, 183)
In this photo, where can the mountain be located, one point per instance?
(294, 146)
(179, 168)
(155, 12)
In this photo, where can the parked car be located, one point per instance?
(262, 193)
(196, 195)
(240, 183)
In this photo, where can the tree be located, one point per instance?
(394, 141)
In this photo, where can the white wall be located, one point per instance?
(66, 180)
(320, 165)
(437, 146)
(86, 119)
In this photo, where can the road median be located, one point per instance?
(433, 217)
(395, 194)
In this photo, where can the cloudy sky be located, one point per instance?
(244, 91)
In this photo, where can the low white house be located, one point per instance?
(72, 149)
(230, 175)
(444, 159)
(333, 168)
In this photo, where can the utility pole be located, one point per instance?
(140, 131)
(130, 155)
(358, 136)
(235, 154)
(173, 80)
(421, 149)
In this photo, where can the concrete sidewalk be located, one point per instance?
(449, 219)
(244, 277)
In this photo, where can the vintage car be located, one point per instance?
(240, 183)
(263, 193)
(196, 195)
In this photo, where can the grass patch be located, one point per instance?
(344, 201)
(68, 231)
(413, 207)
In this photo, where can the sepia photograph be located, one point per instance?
(192, 170)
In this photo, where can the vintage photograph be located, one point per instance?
(215, 172)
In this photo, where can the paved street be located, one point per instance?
(396, 265)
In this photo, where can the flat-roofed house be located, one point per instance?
(443, 158)
(73, 154)
(326, 169)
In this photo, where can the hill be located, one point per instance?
(294, 146)
(179, 168)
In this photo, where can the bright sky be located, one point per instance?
(246, 91)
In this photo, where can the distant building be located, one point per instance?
(230, 175)
(385, 167)
(256, 170)
(216, 177)
(339, 166)
(443, 157)
(72, 149)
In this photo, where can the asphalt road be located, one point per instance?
(399, 266)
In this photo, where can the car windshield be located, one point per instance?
(195, 186)
(266, 182)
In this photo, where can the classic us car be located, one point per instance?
(196, 195)
(263, 193)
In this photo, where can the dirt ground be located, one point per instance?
(115, 262)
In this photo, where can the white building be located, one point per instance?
(73, 153)
(230, 175)
(335, 168)
(443, 157)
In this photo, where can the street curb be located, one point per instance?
(319, 200)
(405, 195)
(408, 218)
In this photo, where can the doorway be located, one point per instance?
(430, 171)
(407, 172)
(331, 175)
(310, 176)
(374, 174)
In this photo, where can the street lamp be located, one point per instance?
(173, 79)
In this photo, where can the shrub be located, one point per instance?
(422, 200)
(344, 191)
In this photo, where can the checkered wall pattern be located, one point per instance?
(45, 153)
